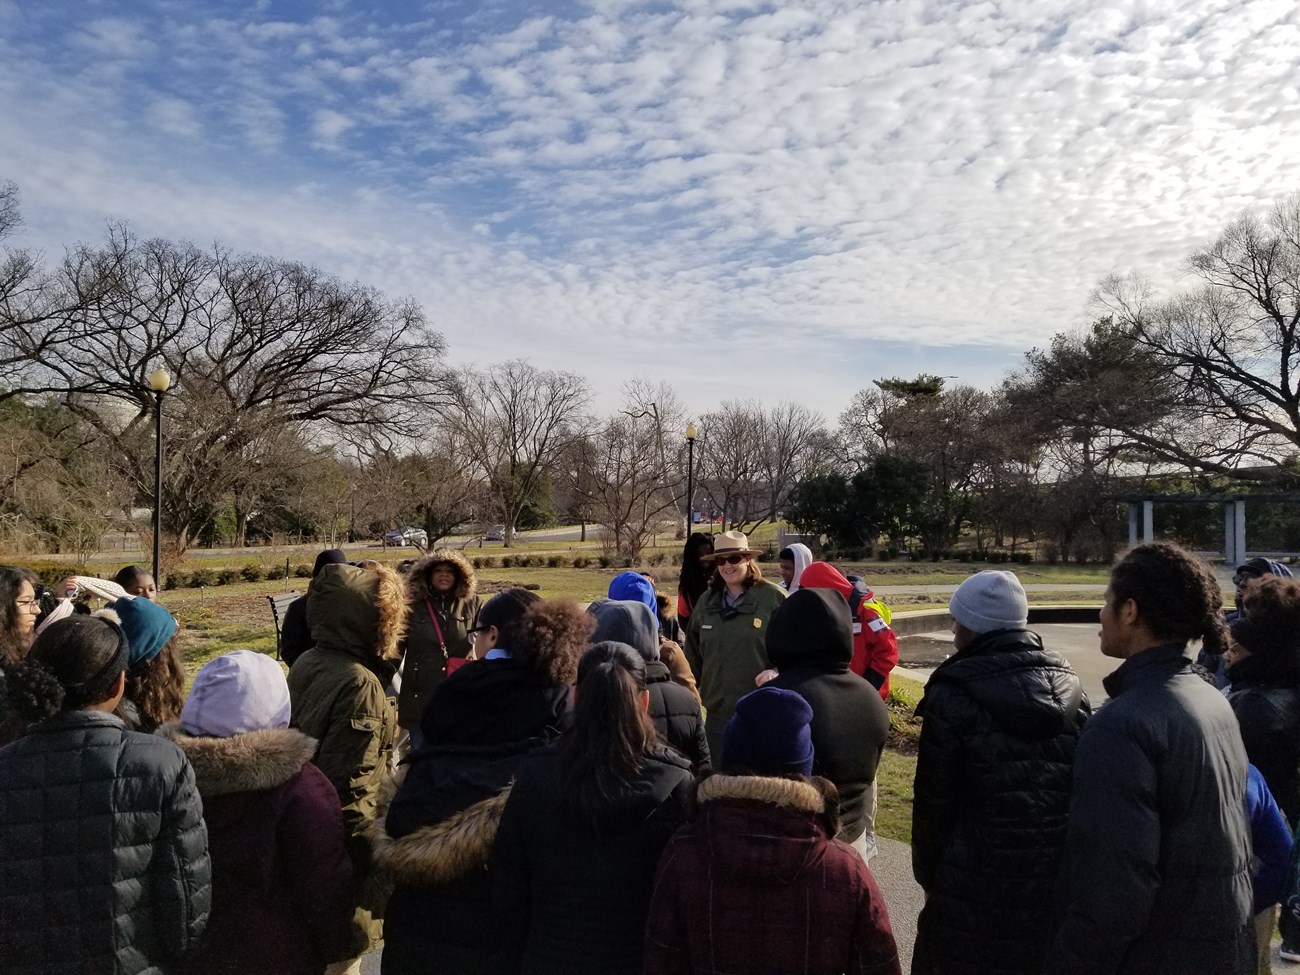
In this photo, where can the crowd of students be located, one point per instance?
(512, 784)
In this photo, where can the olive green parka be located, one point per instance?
(339, 696)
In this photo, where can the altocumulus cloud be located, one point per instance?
(785, 180)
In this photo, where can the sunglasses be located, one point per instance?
(731, 559)
(1241, 578)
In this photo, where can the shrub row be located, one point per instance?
(205, 576)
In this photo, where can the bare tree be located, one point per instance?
(625, 479)
(255, 346)
(794, 444)
(516, 420)
(730, 458)
(1230, 347)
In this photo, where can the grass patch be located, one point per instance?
(894, 776)
(897, 768)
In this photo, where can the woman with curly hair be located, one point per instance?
(19, 608)
(1158, 845)
(436, 836)
(102, 841)
(584, 826)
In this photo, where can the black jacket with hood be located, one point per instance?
(674, 710)
(1158, 847)
(810, 641)
(572, 896)
(436, 835)
(1001, 720)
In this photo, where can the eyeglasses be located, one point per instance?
(474, 631)
(1241, 578)
(29, 604)
(733, 559)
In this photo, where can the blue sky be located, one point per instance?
(743, 199)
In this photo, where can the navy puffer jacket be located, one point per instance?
(103, 852)
(1001, 720)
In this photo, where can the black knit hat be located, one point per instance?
(811, 624)
(770, 734)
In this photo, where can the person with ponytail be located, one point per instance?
(583, 829)
(102, 842)
(1158, 846)
(436, 837)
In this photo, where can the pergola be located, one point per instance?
(1234, 515)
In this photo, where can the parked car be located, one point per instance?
(497, 533)
(403, 537)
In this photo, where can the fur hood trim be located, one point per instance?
(439, 853)
(249, 762)
(466, 578)
(391, 602)
(798, 794)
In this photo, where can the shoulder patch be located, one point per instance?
(877, 625)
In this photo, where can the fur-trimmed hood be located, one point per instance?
(362, 612)
(466, 579)
(250, 762)
(780, 824)
(439, 853)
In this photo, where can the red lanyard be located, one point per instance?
(442, 644)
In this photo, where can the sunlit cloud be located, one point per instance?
(620, 187)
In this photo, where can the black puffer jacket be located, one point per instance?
(1265, 697)
(572, 897)
(1001, 721)
(1159, 845)
(436, 836)
(810, 641)
(676, 714)
(102, 850)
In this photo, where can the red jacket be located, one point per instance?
(756, 884)
(875, 648)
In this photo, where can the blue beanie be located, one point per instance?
(634, 588)
(147, 626)
(770, 734)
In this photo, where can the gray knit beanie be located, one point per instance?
(990, 600)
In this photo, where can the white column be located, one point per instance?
(1239, 533)
(1148, 521)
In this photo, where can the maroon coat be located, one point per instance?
(757, 884)
(281, 878)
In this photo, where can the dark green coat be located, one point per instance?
(726, 655)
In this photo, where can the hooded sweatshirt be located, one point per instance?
(875, 647)
(802, 559)
(674, 710)
(810, 641)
